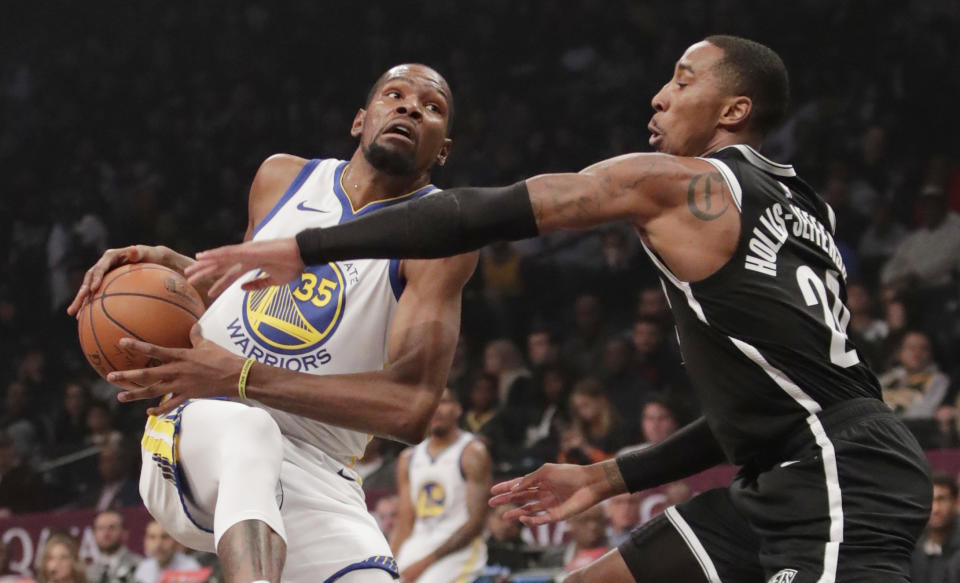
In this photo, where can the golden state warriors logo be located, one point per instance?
(431, 500)
(299, 316)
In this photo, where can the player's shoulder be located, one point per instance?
(279, 168)
(476, 448)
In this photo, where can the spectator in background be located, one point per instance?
(385, 511)
(582, 352)
(652, 303)
(21, 488)
(625, 388)
(588, 540)
(505, 547)
(378, 466)
(501, 267)
(930, 254)
(895, 318)
(502, 359)
(163, 554)
(597, 432)
(113, 562)
(623, 513)
(879, 241)
(70, 418)
(100, 430)
(916, 387)
(60, 561)
(16, 419)
(113, 487)
(936, 557)
(865, 330)
(542, 348)
(652, 360)
(482, 403)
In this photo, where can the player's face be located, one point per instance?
(688, 107)
(403, 130)
(446, 416)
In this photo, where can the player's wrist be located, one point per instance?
(607, 479)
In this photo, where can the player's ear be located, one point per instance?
(444, 151)
(357, 128)
(735, 111)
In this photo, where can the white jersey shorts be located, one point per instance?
(328, 530)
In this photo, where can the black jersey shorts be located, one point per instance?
(846, 503)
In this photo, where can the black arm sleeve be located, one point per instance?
(690, 450)
(438, 225)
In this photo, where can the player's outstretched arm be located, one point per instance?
(636, 187)
(558, 491)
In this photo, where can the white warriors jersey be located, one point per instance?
(438, 491)
(334, 319)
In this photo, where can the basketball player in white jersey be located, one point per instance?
(349, 350)
(442, 485)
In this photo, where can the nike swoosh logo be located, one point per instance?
(344, 476)
(303, 207)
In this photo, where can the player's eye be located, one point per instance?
(433, 107)
(393, 94)
(681, 85)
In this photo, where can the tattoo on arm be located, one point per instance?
(705, 195)
(612, 473)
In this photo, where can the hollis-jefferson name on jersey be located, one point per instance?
(773, 231)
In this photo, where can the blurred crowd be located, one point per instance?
(144, 122)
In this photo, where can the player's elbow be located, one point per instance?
(414, 420)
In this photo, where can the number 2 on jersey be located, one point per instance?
(836, 318)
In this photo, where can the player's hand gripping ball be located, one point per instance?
(145, 301)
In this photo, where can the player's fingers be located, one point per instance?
(520, 497)
(225, 280)
(167, 406)
(196, 336)
(201, 269)
(74, 308)
(256, 283)
(151, 380)
(537, 520)
(152, 350)
(504, 487)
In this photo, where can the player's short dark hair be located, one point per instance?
(756, 71)
(376, 87)
(947, 481)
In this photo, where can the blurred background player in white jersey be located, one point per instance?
(442, 486)
(224, 476)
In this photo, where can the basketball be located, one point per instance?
(144, 301)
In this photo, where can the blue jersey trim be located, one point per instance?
(179, 479)
(397, 282)
(382, 562)
(291, 190)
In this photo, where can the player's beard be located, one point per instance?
(388, 161)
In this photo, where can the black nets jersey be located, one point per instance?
(764, 338)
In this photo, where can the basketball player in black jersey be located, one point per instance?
(832, 486)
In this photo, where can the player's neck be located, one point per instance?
(365, 184)
(439, 443)
(723, 138)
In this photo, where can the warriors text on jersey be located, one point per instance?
(764, 338)
(334, 319)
